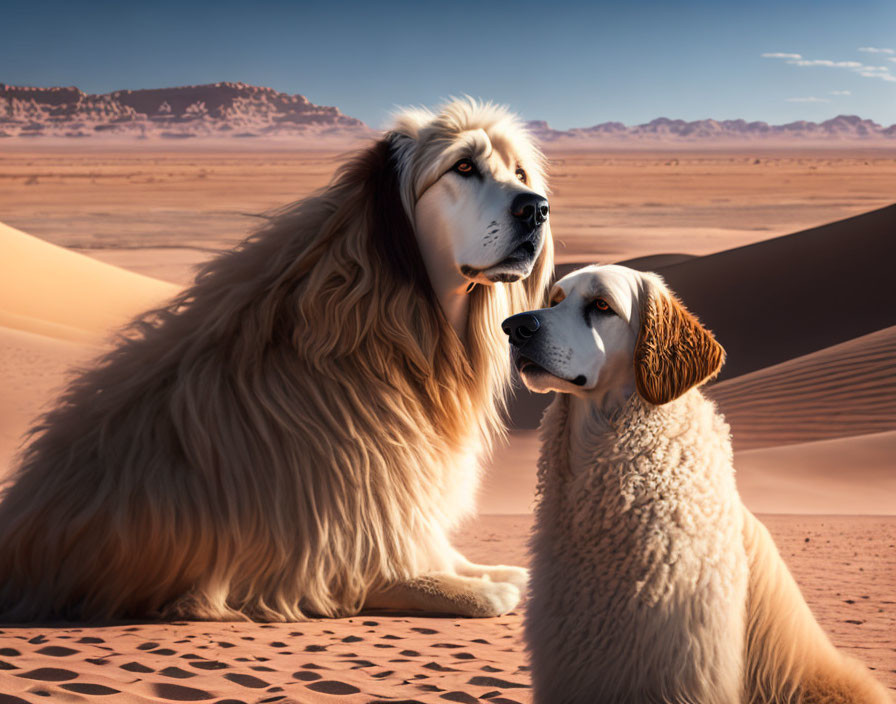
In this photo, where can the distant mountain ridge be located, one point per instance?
(223, 110)
(662, 129)
(238, 110)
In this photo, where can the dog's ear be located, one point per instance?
(391, 234)
(674, 352)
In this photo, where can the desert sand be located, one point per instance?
(606, 207)
(844, 565)
(91, 238)
(58, 293)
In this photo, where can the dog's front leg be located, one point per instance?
(517, 576)
(443, 593)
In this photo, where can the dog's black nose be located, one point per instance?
(520, 327)
(530, 208)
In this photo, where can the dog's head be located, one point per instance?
(472, 183)
(610, 331)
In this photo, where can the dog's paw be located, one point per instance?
(517, 576)
(497, 598)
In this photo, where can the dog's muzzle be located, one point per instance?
(520, 328)
(530, 210)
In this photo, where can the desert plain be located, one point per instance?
(92, 235)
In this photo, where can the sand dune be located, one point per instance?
(789, 296)
(56, 308)
(845, 475)
(842, 476)
(32, 371)
(778, 299)
(843, 564)
(843, 390)
(52, 291)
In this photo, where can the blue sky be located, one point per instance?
(571, 63)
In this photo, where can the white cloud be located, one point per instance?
(880, 72)
(841, 92)
(826, 62)
(810, 99)
(890, 78)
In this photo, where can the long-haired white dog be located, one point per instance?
(298, 432)
(651, 582)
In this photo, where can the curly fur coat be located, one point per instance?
(652, 583)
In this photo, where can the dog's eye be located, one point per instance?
(521, 175)
(599, 305)
(465, 167)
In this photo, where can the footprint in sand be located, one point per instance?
(49, 674)
(56, 651)
(247, 680)
(481, 681)
(209, 665)
(9, 699)
(92, 689)
(177, 673)
(333, 687)
(362, 663)
(462, 697)
(179, 693)
(438, 668)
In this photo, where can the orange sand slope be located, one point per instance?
(792, 295)
(55, 307)
(52, 291)
(840, 391)
(844, 566)
(784, 297)
(855, 475)
(32, 370)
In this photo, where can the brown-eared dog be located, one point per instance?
(651, 582)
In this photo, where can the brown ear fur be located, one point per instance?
(674, 352)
